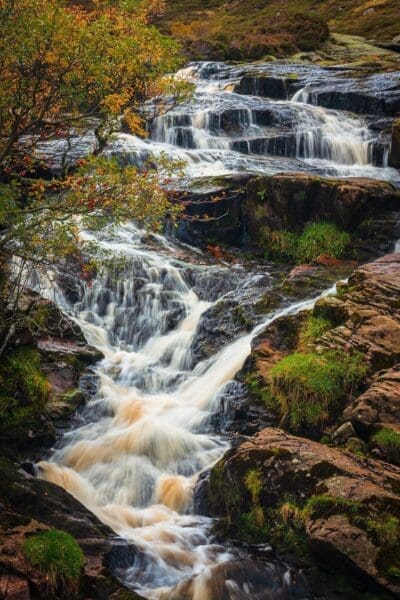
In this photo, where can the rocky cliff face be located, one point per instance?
(316, 500)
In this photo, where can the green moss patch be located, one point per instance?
(21, 377)
(316, 239)
(388, 441)
(56, 555)
(308, 385)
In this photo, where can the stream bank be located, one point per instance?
(271, 150)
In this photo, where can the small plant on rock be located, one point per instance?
(58, 557)
(308, 385)
(320, 238)
(388, 441)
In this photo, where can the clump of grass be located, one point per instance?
(252, 526)
(279, 243)
(326, 505)
(321, 238)
(312, 329)
(308, 385)
(22, 374)
(315, 240)
(386, 530)
(57, 556)
(253, 482)
(388, 441)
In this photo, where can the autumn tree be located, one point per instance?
(64, 68)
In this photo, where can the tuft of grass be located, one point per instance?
(312, 329)
(325, 505)
(253, 482)
(321, 238)
(388, 441)
(386, 529)
(22, 374)
(308, 385)
(316, 239)
(252, 526)
(56, 555)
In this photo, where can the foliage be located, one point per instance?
(20, 374)
(315, 240)
(308, 385)
(312, 329)
(57, 555)
(320, 238)
(388, 441)
(61, 66)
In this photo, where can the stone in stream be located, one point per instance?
(312, 501)
(290, 201)
(277, 88)
(30, 506)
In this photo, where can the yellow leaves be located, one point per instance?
(116, 102)
(135, 123)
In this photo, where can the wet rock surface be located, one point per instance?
(290, 201)
(29, 506)
(336, 495)
(322, 502)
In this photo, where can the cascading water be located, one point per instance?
(146, 436)
(146, 439)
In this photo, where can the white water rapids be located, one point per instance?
(145, 438)
(135, 462)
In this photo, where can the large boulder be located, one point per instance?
(312, 501)
(290, 201)
(30, 506)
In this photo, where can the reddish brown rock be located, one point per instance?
(343, 501)
(379, 406)
(14, 588)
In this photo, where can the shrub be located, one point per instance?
(388, 441)
(57, 556)
(320, 238)
(307, 385)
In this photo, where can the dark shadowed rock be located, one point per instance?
(304, 492)
(30, 505)
(291, 201)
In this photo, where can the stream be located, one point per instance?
(135, 453)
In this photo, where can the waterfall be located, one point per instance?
(331, 135)
(145, 440)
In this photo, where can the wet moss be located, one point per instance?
(388, 441)
(56, 555)
(308, 386)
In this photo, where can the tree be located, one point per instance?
(62, 68)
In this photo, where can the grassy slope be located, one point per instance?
(270, 22)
